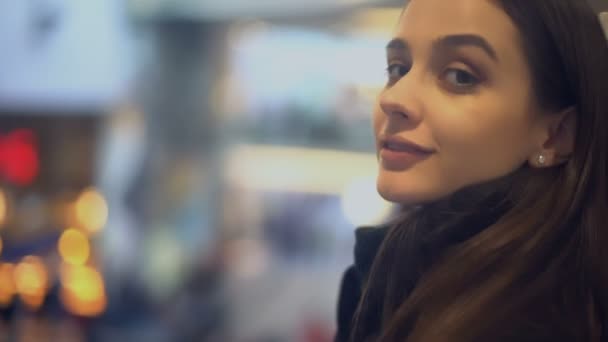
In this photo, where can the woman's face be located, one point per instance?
(458, 107)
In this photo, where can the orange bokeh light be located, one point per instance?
(7, 285)
(31, 281)
(74, 247)
(82, 291)
(92, 210)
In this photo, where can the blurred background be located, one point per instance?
(185, 170)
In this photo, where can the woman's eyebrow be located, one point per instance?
(448, 42)
(397, 45)
(453, 41)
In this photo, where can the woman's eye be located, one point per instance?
(396, 71)
(460, 78)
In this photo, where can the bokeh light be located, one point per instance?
(7, 285)
(83, 291)
(31, 281)
(19, 159)
(92, 210)
(74, 247)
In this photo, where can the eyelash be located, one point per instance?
(396, 67)
(402, 70)
(473, 80)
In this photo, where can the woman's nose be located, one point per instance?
(401, 99)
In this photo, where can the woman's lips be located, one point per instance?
(400, 154)
(401, 147)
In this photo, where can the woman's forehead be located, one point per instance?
(432, 19)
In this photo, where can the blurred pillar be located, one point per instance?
(177, 195)
(189, 65)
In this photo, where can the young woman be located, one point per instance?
(493, 131)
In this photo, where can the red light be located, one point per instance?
(19, 162)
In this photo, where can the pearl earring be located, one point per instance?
(541, 159)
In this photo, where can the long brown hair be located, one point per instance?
(524, 258)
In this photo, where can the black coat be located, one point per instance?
(367, 243)
(464, 215)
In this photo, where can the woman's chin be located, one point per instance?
(401, 197)
(405, 194)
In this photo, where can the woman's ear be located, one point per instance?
(559, 139)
